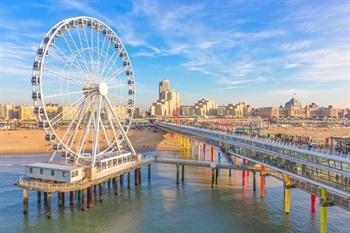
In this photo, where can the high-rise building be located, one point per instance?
(8, 111)
(26, 113)
(168, 103)
(205, 107)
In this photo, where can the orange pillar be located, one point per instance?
(212, 154)
(262, 182)
(243, 178)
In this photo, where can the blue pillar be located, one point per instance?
(219, 157)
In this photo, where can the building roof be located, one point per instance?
(52, 166)
(293, 102)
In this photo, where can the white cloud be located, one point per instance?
(299, 45)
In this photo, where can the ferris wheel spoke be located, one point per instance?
(67, 93)
(70, 38)
(105, 59)
(81, 107)
(72, 52)
(115, 74)
(97, 128)
(111, 67)
(76, 128)
(65, 59)
(112, 127)
(120, 126)
(59, 117)
(119, 98)
(88, 46)
(85, 133)
(106, 136)
(62, 76)
(92, 51)
(100, 54)
(82, 51)
(118, 86)
(77, 49)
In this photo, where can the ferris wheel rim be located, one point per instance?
(51, 34)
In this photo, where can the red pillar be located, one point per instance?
(313, 203)
(212, 154)
(262, 182)
(243, 178)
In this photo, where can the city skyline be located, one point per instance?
(205, 51)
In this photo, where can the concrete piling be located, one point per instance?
(128, 180)
(177, 174)
(183, 173)
(115, 186)
(25, 200)
(149, 172)
(48, 204)
(139, 175)
(82, 204)
(89, 203)
(71, 198)
(100, 192)
(212, 177)
(39, 197)
(121, 180)
(254, 181)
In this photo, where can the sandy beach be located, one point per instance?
(309, 132)
(32, 141)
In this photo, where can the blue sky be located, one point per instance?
(260, 52)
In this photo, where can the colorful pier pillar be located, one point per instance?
(204, 150)
(287, 195)
(313, 203)
(199, 150)
(192, 148)
(219, 157)
(323, 211)
(89, 203)
(262, 181)
(212, 154)
(243, 178)
(25, 200)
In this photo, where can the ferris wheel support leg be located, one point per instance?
(52, 156)
(96, 132)
(121, 127)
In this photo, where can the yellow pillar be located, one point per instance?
(323, 212)
(287, 196)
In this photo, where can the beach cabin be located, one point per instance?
(54, 172)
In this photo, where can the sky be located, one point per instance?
(259, 52)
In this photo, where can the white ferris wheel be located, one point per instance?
(83, 90)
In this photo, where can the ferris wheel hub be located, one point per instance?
(103, 89)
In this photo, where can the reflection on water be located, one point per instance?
(162, 206)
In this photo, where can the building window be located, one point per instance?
(64, 174)
(52, 172)
(31, 170)
(41, 171)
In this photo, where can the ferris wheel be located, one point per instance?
(83, 90)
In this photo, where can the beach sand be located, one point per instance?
(309, 132)
(32, 141)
